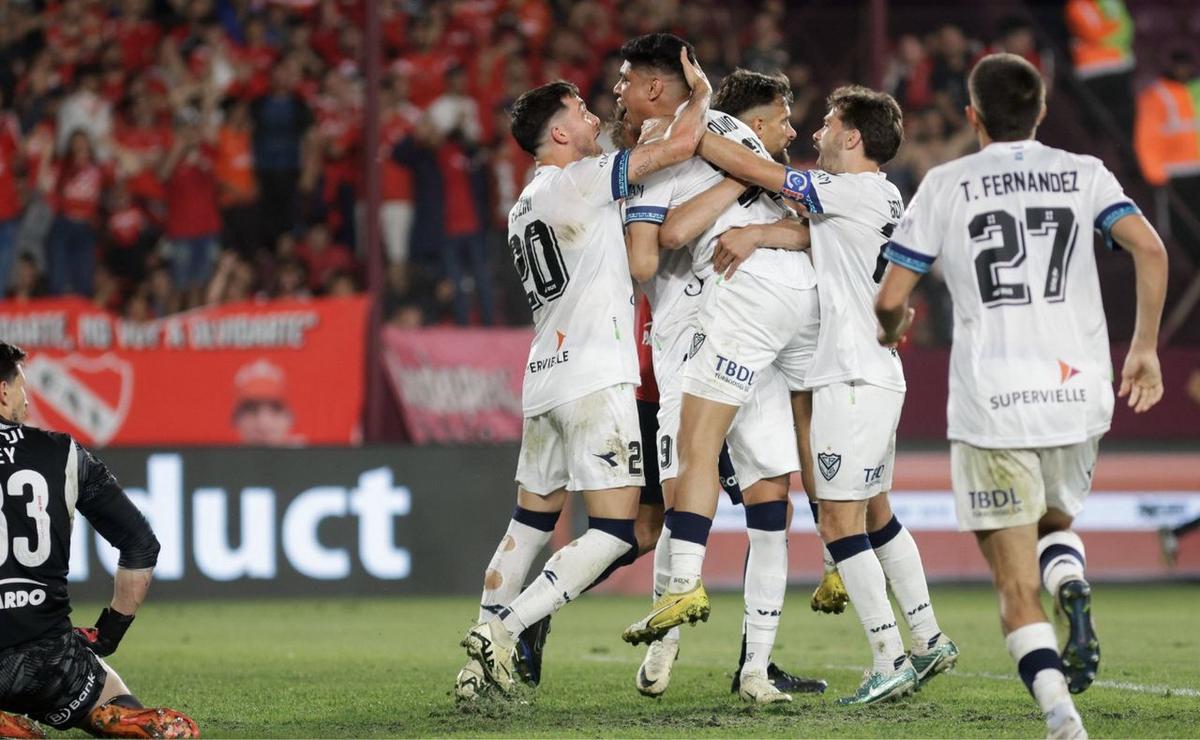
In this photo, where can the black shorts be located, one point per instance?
(652, 491)
(648, 421)
(55, 680)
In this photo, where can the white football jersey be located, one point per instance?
(569, 250)
(678, 184)
(1030, 364)
(851, 217)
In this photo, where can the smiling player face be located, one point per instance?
(580, 126)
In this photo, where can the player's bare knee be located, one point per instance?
(879, 512)
(766, 490)
(647, 527)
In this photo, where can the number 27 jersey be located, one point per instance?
(568, 245)
(1011, 224)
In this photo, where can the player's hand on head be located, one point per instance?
(654, 129)
(696, 79)
(1141, 379)
(733, 248)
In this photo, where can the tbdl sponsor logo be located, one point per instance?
(873, 475)
(731, 372)
(997, 499)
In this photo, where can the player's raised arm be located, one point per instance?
(691, 219)
(742, 163)
(113, 515)
(1141, 376)
(683, 135)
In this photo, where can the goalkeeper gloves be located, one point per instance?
(104, 638)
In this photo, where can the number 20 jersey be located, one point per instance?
(1030, 364)
(568, 246)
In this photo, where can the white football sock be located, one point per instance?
(901, 563)
(662, 572)
(565, 575)
(687, 562)
(510, 565)
(867, 587)
(1061, 556)
(1034, 647)
(766, 583)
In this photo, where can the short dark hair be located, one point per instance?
(657, 51)
(1007, 93)
(876, 116)
(743, 89)
(534, 109)
(10, 356)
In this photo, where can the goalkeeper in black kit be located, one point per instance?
(51, 672)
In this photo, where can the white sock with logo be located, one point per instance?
(566, 574)
(662, 572)
(867, 587)
(901, 562)
(766, 584)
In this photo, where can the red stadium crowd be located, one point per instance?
(161, 155)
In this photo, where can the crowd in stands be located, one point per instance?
(158, 155)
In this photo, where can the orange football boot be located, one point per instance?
(16, 725)
(112, 720)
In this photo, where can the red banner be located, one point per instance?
(278, 373)
(458, 385)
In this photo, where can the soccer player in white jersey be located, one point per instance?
(760, 440)
(858, 386)
(1030, 369)
(581, 428)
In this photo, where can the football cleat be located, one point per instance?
(830, 596)
(112, 720)
(495, 650)
(877, 687)
(1064, 723)
(1170, 545)
(530, 644)
(784, 681)
(756, 688)
(940, 656)
(470, 683)
(16, 725)
(654, 674)
(1081, 654)
(669, 611)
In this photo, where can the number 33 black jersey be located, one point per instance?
(45, 477)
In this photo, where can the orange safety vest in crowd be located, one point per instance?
(1166, 133)
(1101, 37)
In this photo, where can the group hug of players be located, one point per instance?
(777, 298)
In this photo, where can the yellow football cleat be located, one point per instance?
(670, 610)
(830, 596)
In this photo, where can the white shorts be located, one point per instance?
(589, 444)
(762, 438)
(744, 325)
(995, 489)
(854, 439)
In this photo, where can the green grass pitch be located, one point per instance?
(385, 667)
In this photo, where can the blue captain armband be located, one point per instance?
(798, 185)
(645, 214)
(1109, 218)
(620, 174)
(907, 258)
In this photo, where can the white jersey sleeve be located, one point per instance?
(600, 180)
(1030, 365)
(649, 201)
(821, 192)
